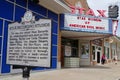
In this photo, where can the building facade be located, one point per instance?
(83, 39)
(76, 40)
(12, 11)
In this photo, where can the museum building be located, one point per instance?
(77, 37)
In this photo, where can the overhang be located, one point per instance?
(83, 35)
(57, 6)
(62, 6)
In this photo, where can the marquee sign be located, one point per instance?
(86, 23)
(29, 42)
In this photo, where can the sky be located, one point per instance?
(103, 5)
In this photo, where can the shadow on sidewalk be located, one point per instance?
(90, 67)
(96, 67)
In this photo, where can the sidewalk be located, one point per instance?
(101, 72)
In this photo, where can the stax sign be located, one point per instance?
(89, 12)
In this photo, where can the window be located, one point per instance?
(93, 52)
(107, 53)
(74, 52)
(73, 44)
(84, 50)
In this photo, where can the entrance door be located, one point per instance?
(98, 57)
(98, 54)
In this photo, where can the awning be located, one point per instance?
(83, 35)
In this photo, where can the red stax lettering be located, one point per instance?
(90, 12)
(101, 13)
(81, 10)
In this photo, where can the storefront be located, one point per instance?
(115, 48)
(78, 41)
(118, 49)
(83, 39)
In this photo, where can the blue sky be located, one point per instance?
(103, 4)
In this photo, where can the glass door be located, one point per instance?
(98, 57)
(98, 54)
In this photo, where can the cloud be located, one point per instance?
(102, 5)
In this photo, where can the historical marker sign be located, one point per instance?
(29, 42)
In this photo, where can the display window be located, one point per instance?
(85, 50)
(107, 52)
(70, 47)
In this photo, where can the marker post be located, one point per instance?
(26, 73)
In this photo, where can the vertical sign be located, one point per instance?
(115, 26)
(29, 43)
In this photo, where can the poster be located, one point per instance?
(67, 50)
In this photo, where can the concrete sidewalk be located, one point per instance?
(101, 72)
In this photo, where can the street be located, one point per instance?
(108, 71)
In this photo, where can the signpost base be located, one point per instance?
(25, 78)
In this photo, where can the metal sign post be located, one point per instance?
(29, 43)
(26, 73)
